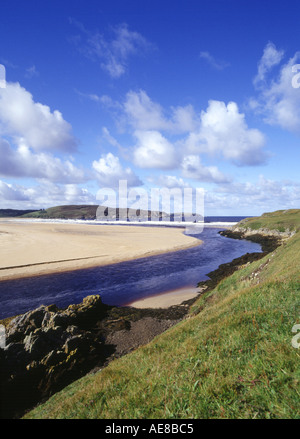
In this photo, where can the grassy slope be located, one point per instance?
(280, 220)
(71, 212)
(10, 213)
(65, 212)
(233, 359)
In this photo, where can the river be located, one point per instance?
(122, 283)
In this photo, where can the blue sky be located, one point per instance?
(160, 93)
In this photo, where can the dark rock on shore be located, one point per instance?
(48, 348)
(268, 242)
(45, 350)
(227, 269)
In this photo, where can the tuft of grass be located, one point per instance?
(255, 225)
(234, 359)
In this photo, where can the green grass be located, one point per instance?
(233, 359)
(281, 220)
(74, 212)
(10, 213)
(65, 212)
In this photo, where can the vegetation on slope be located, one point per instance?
(65, 212)
(281, 220)
(10, 213)
(233, 358)
(82, 212)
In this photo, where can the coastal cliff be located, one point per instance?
(270, 229)
(281, 224)
(242, 232)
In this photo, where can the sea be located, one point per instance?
(122, 283)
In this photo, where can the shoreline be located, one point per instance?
(59, 269)
(124, 328)
(35, 249)
(167, 298)
(163, 299)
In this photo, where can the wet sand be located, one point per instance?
(169, 298)
(36, 248)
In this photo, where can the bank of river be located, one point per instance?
(125, 282)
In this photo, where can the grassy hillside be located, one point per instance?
(281, 220)
(233, 358)
(6, 213)
(87, 212)
(65, 212)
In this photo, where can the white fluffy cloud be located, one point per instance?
(220, 132)
(153, 150)
(224, 132)
(278, 101)
(271, 57)
(30, 134)
(22, 162)
(10, 192)
(145, 114)
(109, 171)
(192, 168)
(263, 195)
(33, 123)
(45, 194)
(169, 181)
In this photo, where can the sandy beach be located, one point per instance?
(166, 299)
(34, 248)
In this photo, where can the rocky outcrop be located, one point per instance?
(48, 348)
(247, 231)
(268, 239)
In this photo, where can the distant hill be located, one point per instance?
(87, 212)
(5, 213)
(84, 212)
(92, 212)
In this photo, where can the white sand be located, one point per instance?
(31, 249)
(164, 300)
